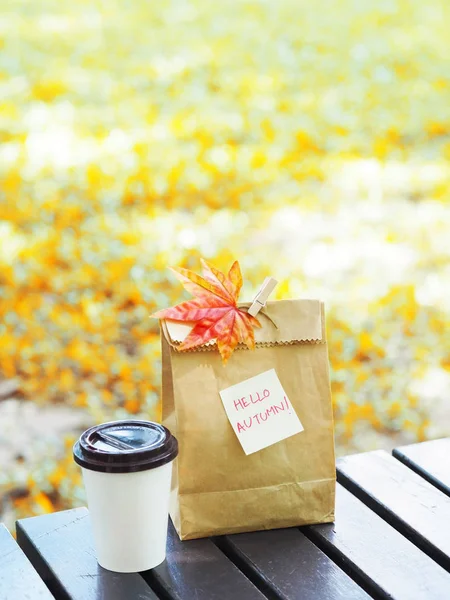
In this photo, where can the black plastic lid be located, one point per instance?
(125, 447)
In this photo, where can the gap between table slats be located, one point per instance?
(431, 460)
(198, 570)
(376, 555)
(286, 565)
(402, 498)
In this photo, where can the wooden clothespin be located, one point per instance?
(259, 301)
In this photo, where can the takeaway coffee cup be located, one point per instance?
(127, 470)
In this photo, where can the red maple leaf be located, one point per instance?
(213, 309)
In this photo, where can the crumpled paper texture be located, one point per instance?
(217, 489)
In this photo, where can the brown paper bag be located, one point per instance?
(217, 488)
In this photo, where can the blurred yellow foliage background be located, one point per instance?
(309, 140)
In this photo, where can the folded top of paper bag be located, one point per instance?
(290, 322)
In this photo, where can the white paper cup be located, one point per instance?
(127, 471)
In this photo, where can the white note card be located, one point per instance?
(260, 412)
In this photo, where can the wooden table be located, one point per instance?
(391, 539)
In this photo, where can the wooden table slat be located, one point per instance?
(59, 545)
(378, 556)
(198, 570)
(390, 540)
(402, 498)
(290, 566)
(431, 460)
(18, 579)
